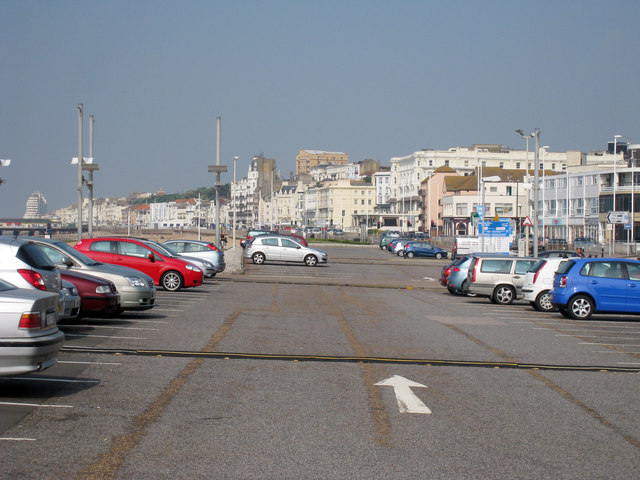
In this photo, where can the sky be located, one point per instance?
(374, 79)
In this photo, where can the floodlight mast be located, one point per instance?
(536, 191)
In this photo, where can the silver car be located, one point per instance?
(29, 336)
(207, 267)
(136, 289)
(500, 278)
(199, 249)
(282, 249)
(70, 301)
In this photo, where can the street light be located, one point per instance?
(484, 180)
(544, 188)
(613, 226)
(235, 188)
(526, 137)
(4, 162)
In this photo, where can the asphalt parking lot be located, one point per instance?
(362, 368)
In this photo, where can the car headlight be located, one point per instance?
(208, 264)
(70, 291)
(103, 289)
(193, 267)
(136, 282)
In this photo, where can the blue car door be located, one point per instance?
(633, 287)
(607, 283)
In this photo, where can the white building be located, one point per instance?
(36, 206)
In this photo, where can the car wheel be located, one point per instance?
(409, 254)
(401, 253)
(438, 256)
(504, 295)
(543, 302)
(258, 258)
(171, 281)
(310, 260)
(580, 307)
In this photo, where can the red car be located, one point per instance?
(170, 273)
(97, 295)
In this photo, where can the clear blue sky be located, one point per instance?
(374, 79)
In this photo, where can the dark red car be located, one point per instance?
(98, 296)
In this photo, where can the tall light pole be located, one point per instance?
(536, 179)
(80, 162)
(615, 181)
(235, 188)
(218, 169)
(526, 137)
(544, 188)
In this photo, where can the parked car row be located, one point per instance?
(44, 281)
(576, 287)
(412, 246)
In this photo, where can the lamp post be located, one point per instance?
(544, 189)
(4, 162)
(80, 172)
(526, 137)
(235, 188)
(484, 180)
(613, 226)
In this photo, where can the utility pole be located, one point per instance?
(218, 169)
(536, 191)
(80, 172)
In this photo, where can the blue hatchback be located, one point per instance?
(423, 249)
(582, 287)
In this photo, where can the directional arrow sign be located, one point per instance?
(618, 217)
(408, 402)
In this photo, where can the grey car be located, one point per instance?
(25, 265)
(136, 289)
(498, 277)
(29, 336)
(279, 248)
(199, 249)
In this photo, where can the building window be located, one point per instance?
(518, 165)
(446, 162)
(509, 190)
(466, 163)
(501, 164)
(461, 209)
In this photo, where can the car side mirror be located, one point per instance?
(151, 257)
(67, 262)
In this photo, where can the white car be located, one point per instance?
(29, 336)
(539, 281)
(280, 248)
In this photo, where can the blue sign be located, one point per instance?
(501, 228)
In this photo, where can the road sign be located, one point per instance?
(501, 228)
(527, 222)
(618, 217)
(627, 226)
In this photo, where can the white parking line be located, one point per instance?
(589, 336)
(14, 439)
(148, 321)
(17, 404)
(89, 363)
(62, 380)
(108, 326)
(610, 344)
(102, 336)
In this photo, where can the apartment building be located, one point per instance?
(307, 159)
(36, 206)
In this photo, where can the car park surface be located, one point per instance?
(309, 356)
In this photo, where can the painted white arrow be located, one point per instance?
(408, 402)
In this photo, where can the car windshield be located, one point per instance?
(565, 267)
(79, 256)
(162, 249)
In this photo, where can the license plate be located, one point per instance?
(50, 319)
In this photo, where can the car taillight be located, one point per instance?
(34, 278)
(563, 282)
(30, 320)
(456, 269)
(475, 268)
(535, 276)
(213, 247)
(447, 272)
